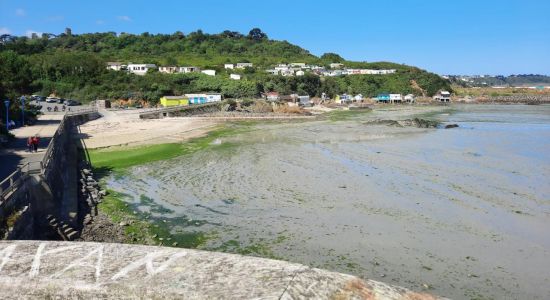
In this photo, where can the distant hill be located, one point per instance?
(501, 81)
(74, 66)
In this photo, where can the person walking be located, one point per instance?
(30, 144)
(35, 142)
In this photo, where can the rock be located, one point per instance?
(123, 223)
(102, 192)
(86, 171)
(451, 126)
(174, 244)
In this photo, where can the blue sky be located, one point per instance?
(443, 36)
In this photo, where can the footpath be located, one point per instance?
(16, 152)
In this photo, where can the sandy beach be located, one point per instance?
(125, 128)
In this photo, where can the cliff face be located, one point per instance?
(35, 269)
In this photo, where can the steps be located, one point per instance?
(66, 232)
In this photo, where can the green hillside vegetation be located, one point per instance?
(74, 66)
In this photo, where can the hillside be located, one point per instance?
(501, 81)
(74, 66)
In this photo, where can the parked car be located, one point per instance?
(38, 98)
(51, 99)
(72, 102)
(60, 100)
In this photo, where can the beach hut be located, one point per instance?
(197, 98)
(168, 101)
(395, 98)
(443, 96)
(384, 98)
(304, 100)
(410, 98)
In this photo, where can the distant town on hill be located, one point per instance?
(88, 66)
(523, 80)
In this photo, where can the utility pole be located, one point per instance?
(7, 104)
(23, 111)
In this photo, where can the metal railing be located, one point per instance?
(15, 179)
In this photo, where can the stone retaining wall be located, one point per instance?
(50, 191)
(181, 111)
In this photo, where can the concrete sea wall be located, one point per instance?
(35, 269)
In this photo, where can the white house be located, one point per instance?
(358, 98)
(229, 66)
(188, 69)
(287, 72)
(272, 71)
(209, 72)
(235, 76)
(282, 68)
(299, 65)
(116, 66)
(300, 73)
(336, 65)
(244, 65)
(395, 98)
(169, 69)
(140, 69)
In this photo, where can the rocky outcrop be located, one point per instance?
(416, 122)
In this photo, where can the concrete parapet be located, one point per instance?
(36, 269)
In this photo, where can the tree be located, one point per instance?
(256, 34)
(332, 57)
(15, 74)
(178, 35)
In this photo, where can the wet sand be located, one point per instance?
(462, 212)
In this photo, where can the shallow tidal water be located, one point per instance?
(462, 213)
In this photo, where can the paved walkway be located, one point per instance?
(16, 153)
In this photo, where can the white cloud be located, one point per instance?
(29, 33)
(124, 18)
(20, 12)
(100, 22)
(5, 30)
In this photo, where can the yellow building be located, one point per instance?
(168, 101)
